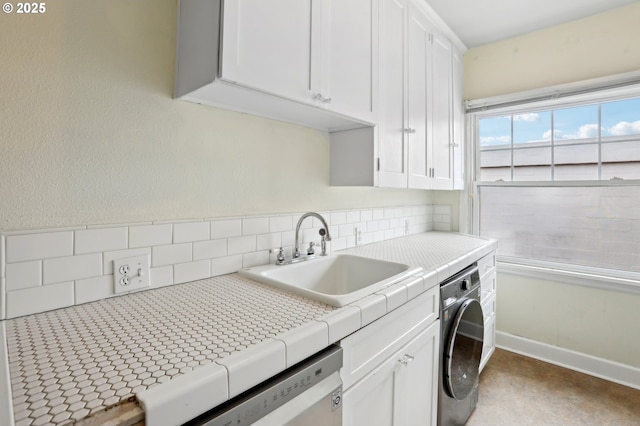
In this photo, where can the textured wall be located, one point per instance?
(91, 135)
(595, 46)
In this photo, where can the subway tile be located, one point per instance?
(38, 246)
(71, 268)
(226, 265)
(346, 230)
(378, 214)
(366, 215)
(92, 289)
(23, 275)
(269, 241)
(192, 271)
(99, 240)
(255, 259)
(39, 299)
(241, 244)
(150, 235)
(255, 225)
(171, 254)
(226, 228)
(280, 223)
(109, 257)
(190, 231)
(353, 216)
(209, 249)
(338, 218)
(161, 276)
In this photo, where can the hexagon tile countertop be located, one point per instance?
(74, 362)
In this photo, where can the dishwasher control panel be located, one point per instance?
(249, 407)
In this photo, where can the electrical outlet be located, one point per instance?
(131, 273)
(358, 236)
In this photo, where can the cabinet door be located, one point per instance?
(268, 45)
(418, 63)
(350, 57)
(417, 381)
(392, 149)
(371, 400)
(441, 162)
(458, 121)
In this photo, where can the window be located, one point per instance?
(598, 141)
(559, 181)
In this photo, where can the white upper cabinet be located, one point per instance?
(441, 113)
(348, 83)
(420, 84)
(311, 62)
(419, 130)
(267, 45)
(392, 144)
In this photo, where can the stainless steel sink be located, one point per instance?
(335, 280)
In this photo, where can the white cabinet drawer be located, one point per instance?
(487, 264)
(488, 285)
(365, 349)
(489, 344)
(489, 306)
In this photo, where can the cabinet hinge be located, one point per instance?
(378, 163)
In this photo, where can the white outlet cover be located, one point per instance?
(138, 275)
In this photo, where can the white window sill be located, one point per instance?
(607, 279)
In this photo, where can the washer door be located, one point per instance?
(464, 349)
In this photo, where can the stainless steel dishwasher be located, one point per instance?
(307, 394)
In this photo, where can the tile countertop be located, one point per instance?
(204, 341)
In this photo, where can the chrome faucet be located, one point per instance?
(324, 234)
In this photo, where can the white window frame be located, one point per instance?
(563, 96)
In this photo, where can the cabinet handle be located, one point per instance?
(317, 97)
(406, 359)
(409, 130)
(453, 145)
(326, 100)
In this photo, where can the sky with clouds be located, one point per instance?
(619, 118)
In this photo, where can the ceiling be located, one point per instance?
(479, 22)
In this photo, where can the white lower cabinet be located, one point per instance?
(391, 367)
(487, 267)
(402, 390)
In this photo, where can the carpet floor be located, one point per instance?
(517, 390)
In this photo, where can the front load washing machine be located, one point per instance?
(462, 335)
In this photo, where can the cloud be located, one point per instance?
(625, 128)
(495, 140)
(530, 117)
(585, 131)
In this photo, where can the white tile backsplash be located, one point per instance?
(52, 268)
(71, 268)
(209, 249)
(99, 240)
(171, 254)
(24, 275)
(38, 246)
(240, 245)
(39, 299)
(255, 225)
(150, 235)
(226, 228)
(191, 231)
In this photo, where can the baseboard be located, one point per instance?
(599, 367)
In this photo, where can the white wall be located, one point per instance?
(597, 323)
(595, 46)
(91, 134)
